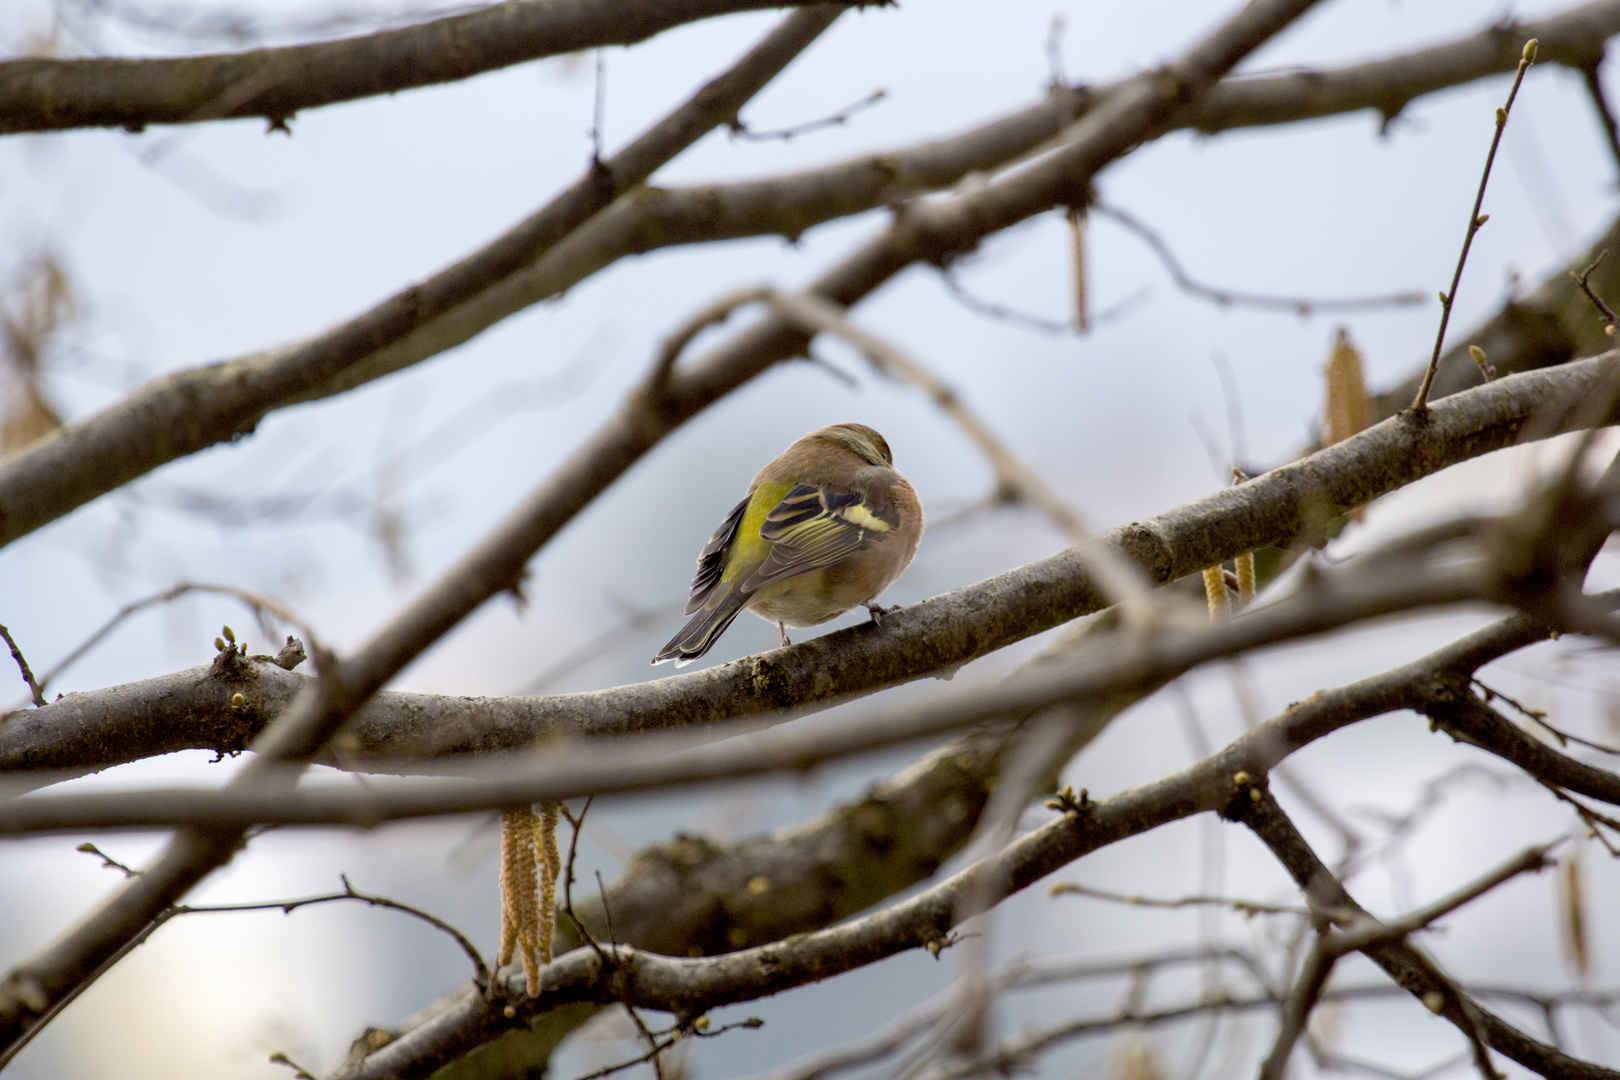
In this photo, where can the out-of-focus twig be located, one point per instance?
(740, 130)
(1224, 297)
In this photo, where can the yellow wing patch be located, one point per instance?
(812, 528)
(862, 517)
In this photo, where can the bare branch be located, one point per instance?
(262, 607)
(1594, 89)
(1404, 964)
(51, 95)
(1363, 931)
(1584, 280)
(481, 973)
(1133, 663)
(1242, 907)
(1299, 305)
(1476, 221)
(426, 1045)
(191, 410)
(36, 691)
(310, 720)
(1468, 719)
(740, 130)
(1573, 38)
(32, 487)
(190, 708)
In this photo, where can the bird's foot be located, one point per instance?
(783, 628)
(878, 611)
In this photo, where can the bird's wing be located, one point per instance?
(712, 559)
(814, 527)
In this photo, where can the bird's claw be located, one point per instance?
(878, 611)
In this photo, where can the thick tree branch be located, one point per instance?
(1574, 39)
(275, 83)
(687, 988)
(225, 400)
(702, 918)
(1129, 664)
(1119, 667)
(788, 205)
(193, 708)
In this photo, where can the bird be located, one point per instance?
(824, 528)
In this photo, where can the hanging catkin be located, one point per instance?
(550, 871)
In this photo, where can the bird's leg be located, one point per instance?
(783, 627)
(878, 611)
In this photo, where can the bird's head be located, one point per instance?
(858, 438)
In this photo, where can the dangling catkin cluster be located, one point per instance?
(1244, 564)
(530, 865)
(1346, 411)
(550, 871)
(1220, 605)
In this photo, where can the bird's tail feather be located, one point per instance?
(701, 631)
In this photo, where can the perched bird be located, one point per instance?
(825, 527)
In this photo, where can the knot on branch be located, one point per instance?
(370, 1041)
(770, 684)
(290, 655)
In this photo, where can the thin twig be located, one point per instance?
(650, 1056)
(1296, 1008)
(1476, 221)
(1384, 944)
(577, 824)
(1299, 305)
(107, 861)
(1594, 88)
(480, 969)
(1539, 718)
(1242, 907)
(258, 603)
(299, 1072)
(598, 110)
(990, 309)
(34, 688)
(1597, 301)
(740, 130)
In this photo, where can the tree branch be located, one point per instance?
(1399, 960)
(276, 83)
(1363, 932)
(191, 410)
(193, 708)
(29, 991)
(224, 401)
(943, 804)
